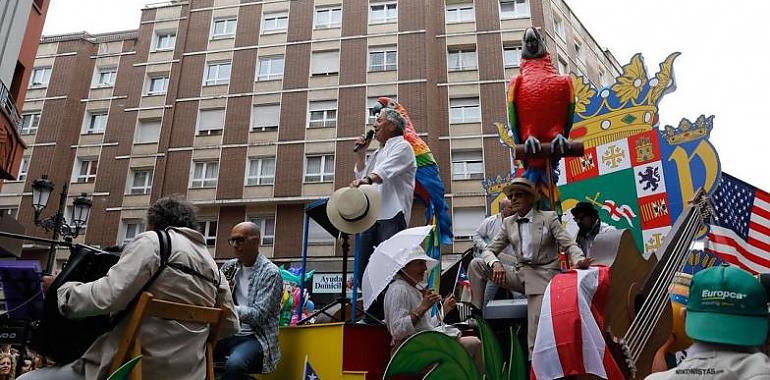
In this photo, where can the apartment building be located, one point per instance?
(249, 108)
(21, 24)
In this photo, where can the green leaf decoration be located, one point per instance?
(124, 371)
(428, 348)
(517, 367)
(493, 355)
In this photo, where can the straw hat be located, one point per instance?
(520, 183)
(354, 209)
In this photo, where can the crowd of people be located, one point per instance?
(517, 249)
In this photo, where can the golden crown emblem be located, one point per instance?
(689, 131)
(625, 108)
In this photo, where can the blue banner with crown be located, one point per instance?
(638, 175)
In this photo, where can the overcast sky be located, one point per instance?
(722, 70)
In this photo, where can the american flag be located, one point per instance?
(740, 233)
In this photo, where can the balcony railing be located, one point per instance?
(8, 105)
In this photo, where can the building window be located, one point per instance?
(275, 22)
(10, 212)
(467, 221)
(459, 13)
(261, 171)
(580, 52)
(205, 174)
(512, 56)
(323, 114)
(105, 77)
(467, 165)
(328, 17)
(147, 131)
(266, 226)
(558, 26)
(464, 110)
(157, 85)
(209, 230)
(40, 76)
(85, 170)
(265, 117)
(317, 234)
(325, 63)
(23, 169)
(211, 122)
(319, 168)
(29, 123)
(96, 122)
(217, 73)
(165, 41)
(131, 228)
(383, 59)
(461, 59)
(380, 13)
(140, 181)
(514, 9)
(370, 103)
(563, 67)
(223, 28)
(270, 68)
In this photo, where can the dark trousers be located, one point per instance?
(244, 356)
(381, 230)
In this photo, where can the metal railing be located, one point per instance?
(8, 105)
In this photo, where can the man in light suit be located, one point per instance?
(536, 237)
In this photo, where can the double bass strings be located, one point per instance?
(641, 328)
(655, 303)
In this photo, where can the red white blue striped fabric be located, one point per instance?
(569, 338)
(740, 233)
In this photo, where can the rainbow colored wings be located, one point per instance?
(428, 186)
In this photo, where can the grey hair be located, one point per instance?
(394, 117)
(171, 212)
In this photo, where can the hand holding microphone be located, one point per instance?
(363, 143)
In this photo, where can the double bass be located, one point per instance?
(638, 315)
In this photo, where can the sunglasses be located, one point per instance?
(518, 194)
(239, 239)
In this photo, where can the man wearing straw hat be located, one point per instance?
(536, 237)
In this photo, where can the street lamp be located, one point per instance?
(41, 192)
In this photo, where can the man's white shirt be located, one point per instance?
(395, 164)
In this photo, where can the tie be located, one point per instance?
(522, 220)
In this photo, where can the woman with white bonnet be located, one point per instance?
(408, 303)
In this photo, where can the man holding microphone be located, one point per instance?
(391, 170)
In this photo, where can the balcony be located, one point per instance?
(11, 145)
(8, 106)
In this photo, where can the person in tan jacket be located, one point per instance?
(536, 238)
(170, 349)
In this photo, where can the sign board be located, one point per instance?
(330, 283)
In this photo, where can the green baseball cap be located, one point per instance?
(727, 305)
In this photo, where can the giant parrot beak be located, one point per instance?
(376, 109)
(531, 41)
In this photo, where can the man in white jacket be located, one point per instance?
(170, 349)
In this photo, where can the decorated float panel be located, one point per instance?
(638, 175)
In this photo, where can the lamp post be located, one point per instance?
(41, 192)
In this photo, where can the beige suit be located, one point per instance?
(529, 275)
(170, 349)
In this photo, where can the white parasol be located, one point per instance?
(390, 256)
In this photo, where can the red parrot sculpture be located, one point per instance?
(541, 105)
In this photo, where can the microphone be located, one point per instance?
(367, 139)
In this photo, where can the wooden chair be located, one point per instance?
(147, 306)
